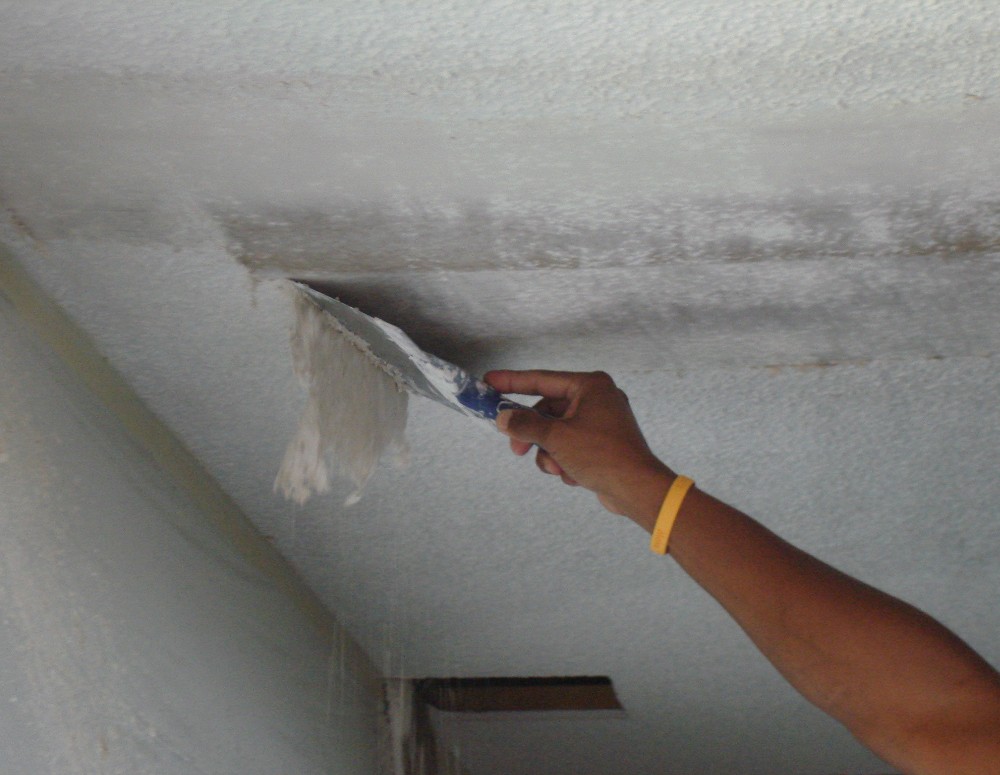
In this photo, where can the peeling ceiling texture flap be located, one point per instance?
(776, 223)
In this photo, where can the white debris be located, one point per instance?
(355, 412)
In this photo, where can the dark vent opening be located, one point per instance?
(492, 695)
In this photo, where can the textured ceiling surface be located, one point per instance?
(777, 223)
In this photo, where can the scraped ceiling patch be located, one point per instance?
(655, 228)
(355, 411)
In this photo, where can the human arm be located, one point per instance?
(902, 683)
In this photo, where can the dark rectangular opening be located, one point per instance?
(492, 695)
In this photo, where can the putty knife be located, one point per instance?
(421, 373)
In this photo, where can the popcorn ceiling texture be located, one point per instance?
(683, 61)
(775, 222)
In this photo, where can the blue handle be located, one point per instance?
(486, 402)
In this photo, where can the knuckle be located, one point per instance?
(604, 382)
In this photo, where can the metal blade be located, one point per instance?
(422, 373)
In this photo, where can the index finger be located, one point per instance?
(538, 382)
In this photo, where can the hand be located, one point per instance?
(587, 435)
(898, 680)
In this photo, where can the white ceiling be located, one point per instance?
(777, 223)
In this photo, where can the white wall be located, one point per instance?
(136, 637)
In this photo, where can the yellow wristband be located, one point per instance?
(668, 514)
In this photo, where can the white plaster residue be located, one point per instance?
(411, 747)
(355, 411)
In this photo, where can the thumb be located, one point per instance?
(525, 425)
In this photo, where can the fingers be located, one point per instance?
(553, 407)
(551, 384)
(548, 408)
(525, 426)
(560, 393)
(584, 429)
(547, 465)
(520, 447)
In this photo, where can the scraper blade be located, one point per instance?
(420, 372)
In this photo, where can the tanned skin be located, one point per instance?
(903, 684)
